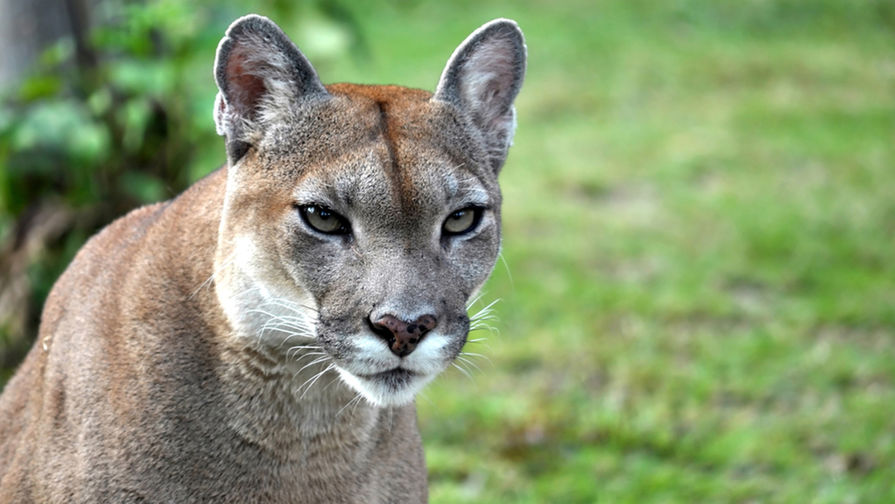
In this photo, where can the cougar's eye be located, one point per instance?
(324, 220)
(462, 221)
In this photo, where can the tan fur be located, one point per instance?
(214, 348)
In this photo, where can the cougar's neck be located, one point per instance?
(282, 410)
(282, 379)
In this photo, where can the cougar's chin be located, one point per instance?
(394, 387)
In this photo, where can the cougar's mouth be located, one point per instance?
(398, 375)
(392, 387)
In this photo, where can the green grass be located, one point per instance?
(699, 299)
(698, 303)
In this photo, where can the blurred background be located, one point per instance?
(697, 298)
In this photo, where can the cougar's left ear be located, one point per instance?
(482, 79)
(260, 75)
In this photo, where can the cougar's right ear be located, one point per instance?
(260, 74)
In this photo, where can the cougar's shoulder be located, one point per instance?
(161, 249)
(94, 338)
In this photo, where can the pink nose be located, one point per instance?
(402, 337)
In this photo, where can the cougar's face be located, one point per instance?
(357, 236)
(359, 220)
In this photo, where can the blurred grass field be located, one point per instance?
(697, 298)
(698, 303)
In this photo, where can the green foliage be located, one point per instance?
(699, 291)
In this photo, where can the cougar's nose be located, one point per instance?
(402, 337)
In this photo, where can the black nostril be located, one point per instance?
(402, 337)
(381, 330)
(425, 324)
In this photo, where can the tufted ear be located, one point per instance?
(259, 73)
(482, 79)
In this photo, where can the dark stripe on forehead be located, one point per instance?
(392, 166)
(401, 115)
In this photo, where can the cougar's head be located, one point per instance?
(359, 220)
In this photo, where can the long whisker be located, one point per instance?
(354, 400)
(485, 312)
(506, 268)
(315, 378)
(284, 318)
(469, 363)
(334, 380)
(296, 348)
(310, 354)
(465, 372)
(482, 326)
(480, 356)
(313, 362)
(290, 305)
(474, 300)
(289, 330)
(207, 281)
(308, 336)
(426, 397)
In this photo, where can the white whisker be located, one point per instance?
(207, 281)
(354, 400)
(469, 363)
(314, 379)
(424, 395)
(474, 300)
(308, 354)
(480, 356)
(487, 311)
(315, 361)
(308, 336)
(295, 350)
(506, 268)
(465, 372)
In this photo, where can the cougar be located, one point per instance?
(261, 337)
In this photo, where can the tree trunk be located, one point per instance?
(27, 27)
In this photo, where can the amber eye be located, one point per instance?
(462, 221)
(324, 220)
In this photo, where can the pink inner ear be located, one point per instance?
(245, 88)
(488, 78)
